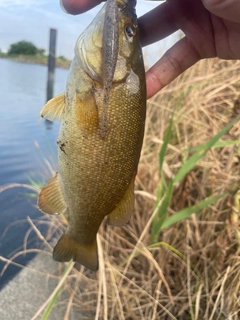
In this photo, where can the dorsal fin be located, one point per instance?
(53, 109)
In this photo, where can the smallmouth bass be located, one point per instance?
(102, 114)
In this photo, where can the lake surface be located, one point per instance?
(26, 141)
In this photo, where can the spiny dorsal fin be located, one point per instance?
(122, 213)
(53, 109)
(50, 199)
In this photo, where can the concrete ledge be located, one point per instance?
(28, 290)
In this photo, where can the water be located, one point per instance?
(25, 140)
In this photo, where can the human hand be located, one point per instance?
(211, 28)
(78, 6)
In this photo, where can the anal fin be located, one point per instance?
(50, 199)
(122, 213)
(68, 248)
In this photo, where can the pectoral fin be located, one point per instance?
(53, 109)
(86, 112)
(122, 213)
(68, 248)
(50, 199)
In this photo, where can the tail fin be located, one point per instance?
(68, 248)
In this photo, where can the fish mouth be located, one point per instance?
(128, 4)
(110, 37)
(125, 3)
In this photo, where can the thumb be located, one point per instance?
(78, 6)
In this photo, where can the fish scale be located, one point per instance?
(97, 171)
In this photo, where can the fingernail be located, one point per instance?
(62, 6)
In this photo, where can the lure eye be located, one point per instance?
(130, 30)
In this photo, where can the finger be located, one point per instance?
(176, 60)
(78, 6)
(228, 10)
(156, 24)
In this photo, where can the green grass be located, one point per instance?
(161, 220)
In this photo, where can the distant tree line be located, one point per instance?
(28, 49)
(25, 48)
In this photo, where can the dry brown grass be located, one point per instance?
(157, 283)
(194, 270)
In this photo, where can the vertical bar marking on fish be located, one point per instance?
(110, 54)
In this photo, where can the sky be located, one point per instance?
(30, 20)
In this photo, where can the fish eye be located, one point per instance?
(130, 30)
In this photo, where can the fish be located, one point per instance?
(102, 114)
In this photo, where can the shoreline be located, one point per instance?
(41, 60)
